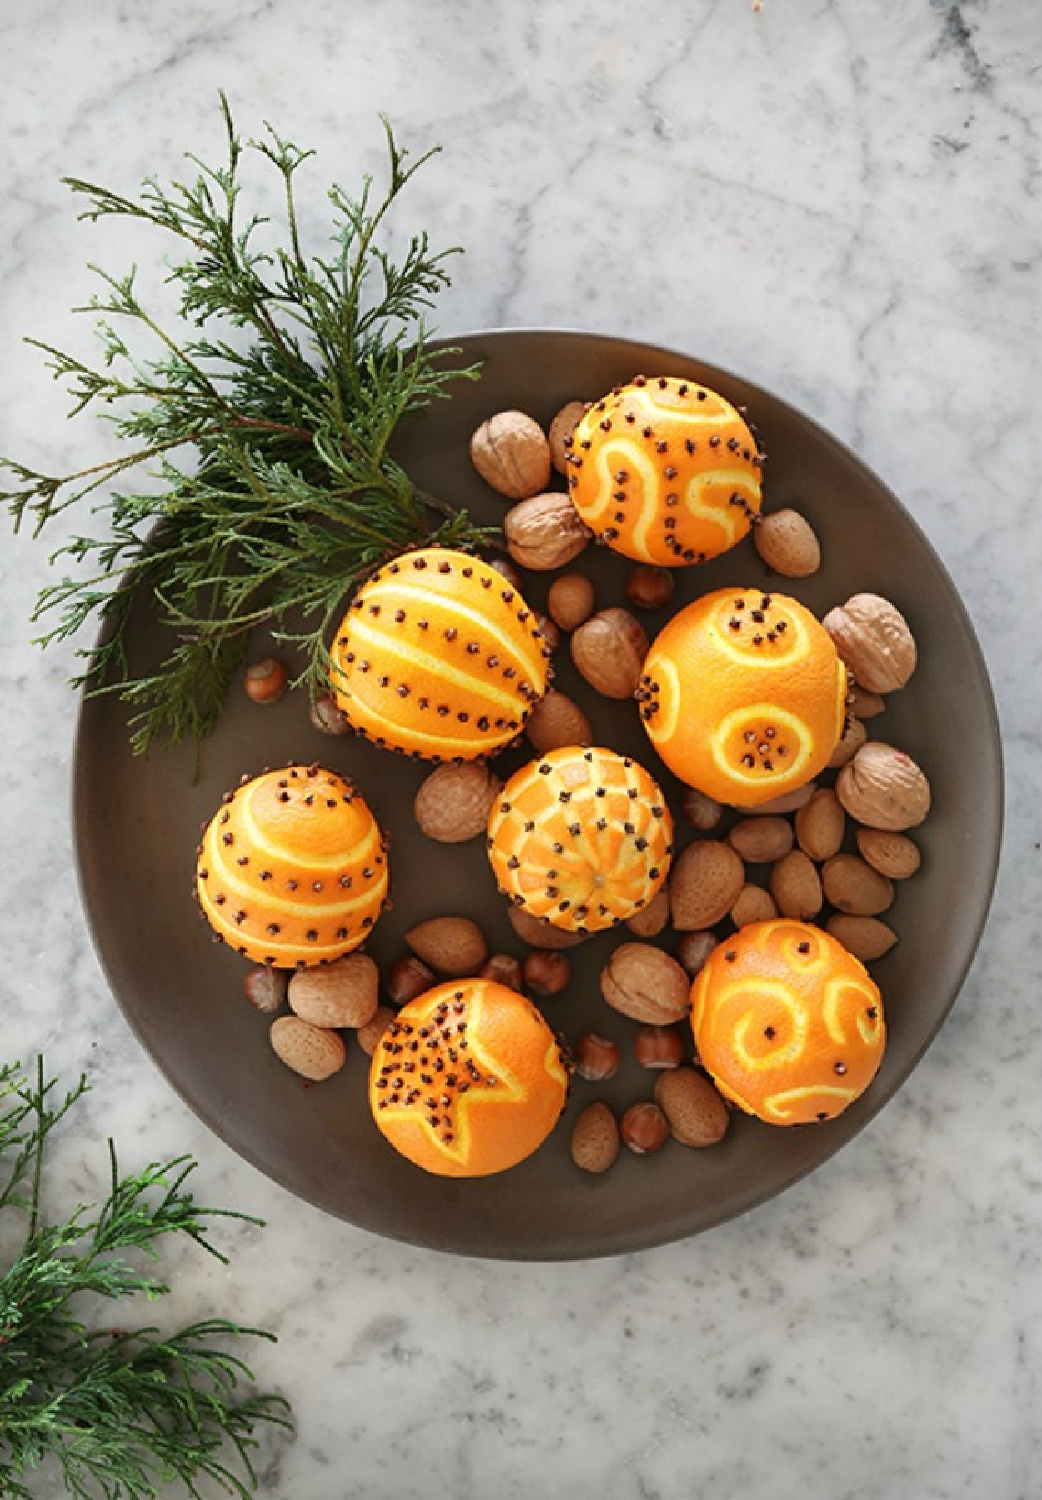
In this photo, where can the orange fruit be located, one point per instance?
(468, 1079)
(787, 1022)
(743, 695)
(665, 471)
(439, 657)
(292, 870)
(581, 837)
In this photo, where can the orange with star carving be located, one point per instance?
(787, 1022)
(743, 695)
(468, 1079)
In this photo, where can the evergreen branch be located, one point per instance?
(283, 387)
(122, 1412)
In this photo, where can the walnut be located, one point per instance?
(511, 453)
(874, 641)
(884, 788)
(544, 532)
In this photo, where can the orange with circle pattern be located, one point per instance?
(581, 837)
(788, 1023)
(743, 695)
(665, 471)
(439, 657)
(468, 1079)
(292, 870)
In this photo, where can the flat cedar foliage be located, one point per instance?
(262, 423)
(122, 1413)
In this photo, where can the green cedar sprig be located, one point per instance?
(263, 424)
(122, 1413)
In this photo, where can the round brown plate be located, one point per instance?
(138, 822)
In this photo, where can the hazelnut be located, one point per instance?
(658, 1047)
(609, 650)
(265, 681)
(408, 978)
(548, 630)
(502, 968)
(327, 717)
(644, 1128)
(650, 588)
(266, 988)
(596, 1058)
(560, 434)
(570, 600)
(508, 570)
(511, 453)
(693, 950)
(546, 971)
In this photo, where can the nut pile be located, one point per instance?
(834, 852)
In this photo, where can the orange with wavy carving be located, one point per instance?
(788, 1023)
(665, 471)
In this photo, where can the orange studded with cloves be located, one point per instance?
(665, 471)
(581, 837)
(743, 695)
(439, 657)
(787, 1022)
(292, 870)
(468, 1079)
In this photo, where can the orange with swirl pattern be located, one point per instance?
(292, 870)
(743, 695)
(468, 1079)
(665, 471)
(581, 837)
(439, 657)
(787, 1022)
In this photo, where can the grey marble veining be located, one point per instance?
(841, 201)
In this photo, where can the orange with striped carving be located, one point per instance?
(665, 471)
(292, 870)
(468, 1079)
(439, 657)
(788, 1023)
(743, 695)
(581, 837)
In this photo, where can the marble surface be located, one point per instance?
(839, 199)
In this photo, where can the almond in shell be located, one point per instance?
(894, 855)
(345, 992)
(557, 721)
(852, 886)
(788, 543)
(311, 1051)
(820, 825)
(704, 884)
(453, 803)
(595, 1138)
(796, 886)
(450, 945)
(696, 1113)
(866, 937)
